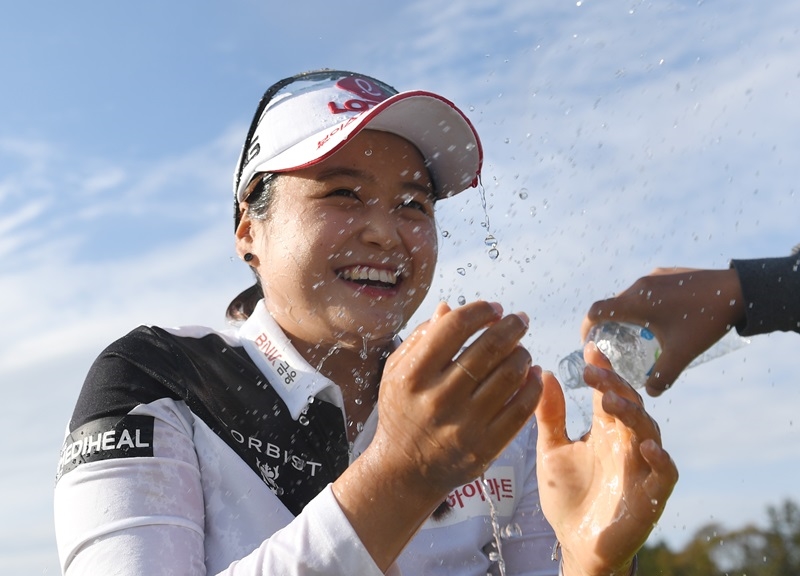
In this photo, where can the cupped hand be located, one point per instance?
(687, 310)
(444, 415)
(446, 412)
(602, 494)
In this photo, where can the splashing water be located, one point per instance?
(363, 354)
(512, 530)
(482, 194)
(330, 353)
(501, 563)
(490, 241)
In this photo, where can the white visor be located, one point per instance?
(309, 119)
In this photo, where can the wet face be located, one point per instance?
(349, 247)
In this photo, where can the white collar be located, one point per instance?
(291, 376)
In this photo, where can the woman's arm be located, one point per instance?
(442, 422)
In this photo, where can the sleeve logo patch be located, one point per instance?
(127, 437)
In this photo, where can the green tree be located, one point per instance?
(748, 551)
(694, 560)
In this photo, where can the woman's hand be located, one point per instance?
(687, 310)
(444, 415)
(603, 493)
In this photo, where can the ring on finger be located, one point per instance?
(466, 371)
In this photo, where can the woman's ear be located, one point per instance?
(245, 238)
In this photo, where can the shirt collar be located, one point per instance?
(292, 377)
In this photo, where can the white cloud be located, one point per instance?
(103, 181)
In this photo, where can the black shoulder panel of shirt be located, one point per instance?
(771, 290)
(223, 387)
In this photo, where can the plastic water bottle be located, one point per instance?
(632, 351)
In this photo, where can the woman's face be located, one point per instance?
(348, 250)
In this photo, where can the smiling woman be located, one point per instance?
(310, 440)
(337, 229)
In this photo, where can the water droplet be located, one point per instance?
(328, 355)
(512, 530)
(360, 426)
(490, 241)
(494, 254)
(523, 193)
(368, 152)
(445, 234)
(462, 300)
(461, 271)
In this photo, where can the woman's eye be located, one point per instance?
(414, 204)
(344, 192)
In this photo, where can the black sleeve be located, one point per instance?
(128, 372)
(771, 290)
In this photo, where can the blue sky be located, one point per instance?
(619, 136)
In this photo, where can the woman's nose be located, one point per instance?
(380, 229)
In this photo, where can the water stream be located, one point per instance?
(497, 555)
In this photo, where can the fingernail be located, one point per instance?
(596, 371)
(524, 317)
(441, 309)
(497, 307)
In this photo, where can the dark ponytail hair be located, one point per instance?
(243, 305)
(259, 202)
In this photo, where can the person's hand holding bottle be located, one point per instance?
(687, 310)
